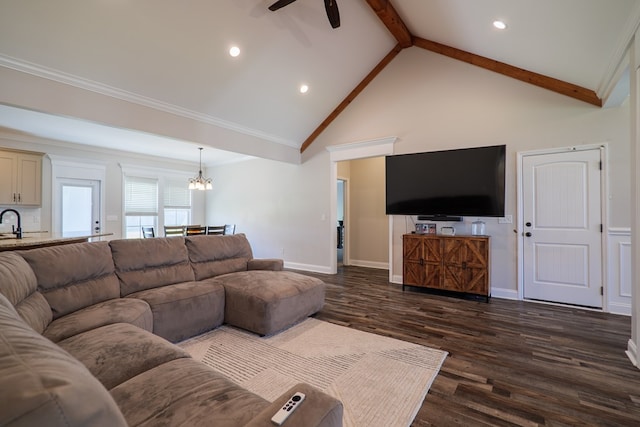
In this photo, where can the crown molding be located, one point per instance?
(619, 57)
(362, 149)
(103, 89)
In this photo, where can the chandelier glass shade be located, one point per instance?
(200, 182)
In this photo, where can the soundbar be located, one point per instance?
(439, 218)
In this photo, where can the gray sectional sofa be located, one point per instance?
(86, 332)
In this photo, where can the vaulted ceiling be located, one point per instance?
(173, 56)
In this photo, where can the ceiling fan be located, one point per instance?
(330, 6)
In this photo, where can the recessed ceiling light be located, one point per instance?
(234, 51)
(499, 25)
(304, 89)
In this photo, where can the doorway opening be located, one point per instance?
(341, 203)
(337, 154)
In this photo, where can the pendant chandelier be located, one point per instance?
(200, 182)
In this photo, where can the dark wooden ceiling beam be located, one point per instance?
(390, 18)
(352, 95)
(555, 85)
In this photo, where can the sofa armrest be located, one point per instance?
(272, 264)
(317, 410)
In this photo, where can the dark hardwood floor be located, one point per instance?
(510, 363)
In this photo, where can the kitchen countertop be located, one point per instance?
(30, 240)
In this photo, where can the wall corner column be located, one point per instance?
(634, 341)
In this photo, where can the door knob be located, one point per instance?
(528, 234)
(528, 224)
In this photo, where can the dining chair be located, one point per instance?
(148, 232)
(193, 230)
(229, 229)
(173, 230)
(215, 229)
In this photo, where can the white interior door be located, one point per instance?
(80, 207)
(562, 217)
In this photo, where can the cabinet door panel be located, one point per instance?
(29, 179)
(412, 248)
(453, 251)
(432, 275)
(454, 278)
(413, 274)
(432, 248)
(476, 251)
(7, 178)
(477, 281)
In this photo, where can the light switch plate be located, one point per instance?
(507, 219)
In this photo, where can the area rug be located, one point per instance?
(381, 381)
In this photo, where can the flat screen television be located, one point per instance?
(450, 183)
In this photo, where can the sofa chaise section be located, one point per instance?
(158, 271)
(266, 302)
(259, 297)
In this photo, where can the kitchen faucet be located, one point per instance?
(18, 231)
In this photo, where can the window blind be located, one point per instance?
(176, 194)
(140, 196)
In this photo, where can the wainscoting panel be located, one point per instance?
(619, 271)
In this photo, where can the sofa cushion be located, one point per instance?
(150, 263)
(19, 285)
(118, 352)
(74, 276)
(185, 309)
(42, 385)
(215, 255)
(120, 310)
(187, 393)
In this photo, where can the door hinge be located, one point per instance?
(600, 165)
(601, 290)
(601, 228)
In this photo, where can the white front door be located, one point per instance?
(80, 207)
(562, 234)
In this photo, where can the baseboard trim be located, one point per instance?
(397, 279)
(504, 293)
(632, 353)
(369, 264)
(307, 267)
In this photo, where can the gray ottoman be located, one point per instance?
(266, 302)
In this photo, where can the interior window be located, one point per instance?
(140, 205)
(177, 202)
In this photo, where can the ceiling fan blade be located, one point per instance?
(280, 3)
(332, 12)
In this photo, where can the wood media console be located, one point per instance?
(447, 263)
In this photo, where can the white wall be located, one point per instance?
(37, 219)
(282, 208)
(431, 102)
